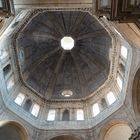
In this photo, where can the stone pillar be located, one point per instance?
(58, 114)
(87, 111)
(72, 114)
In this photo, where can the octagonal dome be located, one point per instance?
(48, 69)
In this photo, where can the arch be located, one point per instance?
(115, 127)
(17, 131)
(66, 115)
(118, 132)
(65, 137)
(135, 93)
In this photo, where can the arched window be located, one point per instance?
(19, 99)
(3, 54)
(35, 110)
(96, 109)
(10, 83)
(51, 115)
(124, 52)
(111, 98)
(6, 69)
(27, 105)
(21, 55)
(119, 82)
(66, 116)
(80, 114)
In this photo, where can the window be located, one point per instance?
(1, 4)
(51, 115)
(80, 114)
(10, 84)
(119, 82)
(66, 116)
(21, 55)
(96, 109)
(111, 98)
(35, 110)
(67, 93)
(3, 54)
(19, 99)
(124, 52)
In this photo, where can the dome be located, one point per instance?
(69, 71)
(48, 69)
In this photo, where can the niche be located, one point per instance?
(66, 115)
(6, 69)
(27, 105)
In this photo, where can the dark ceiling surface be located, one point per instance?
(48, 69)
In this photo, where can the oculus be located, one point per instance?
(67, 93)
(67, 43)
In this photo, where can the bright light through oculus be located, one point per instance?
(67, 43)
